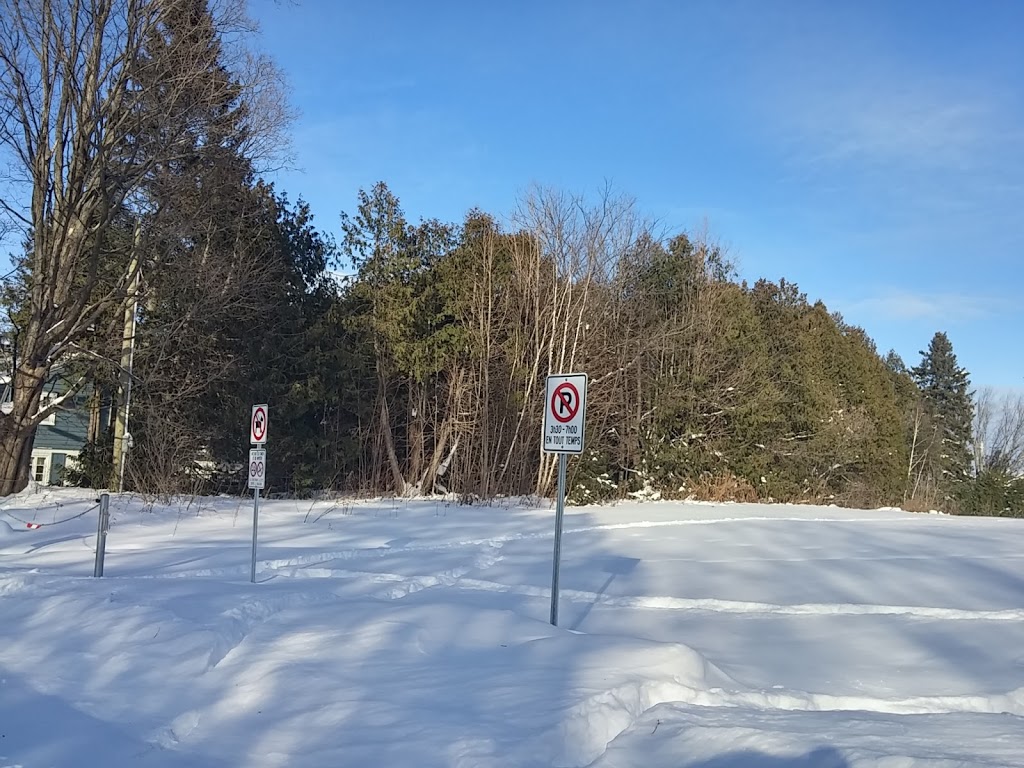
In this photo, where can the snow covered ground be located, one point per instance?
(415, 634)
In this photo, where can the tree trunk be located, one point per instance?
(417, 428)
(910, 464)
(17, 432)
(389, 446)
(92, 435)
(446, 432)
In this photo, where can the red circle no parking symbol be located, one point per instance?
(565, 402)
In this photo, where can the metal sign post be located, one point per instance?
(557, 558)
(565, 410)
(102, 526)
(257, 470)
(257, 481)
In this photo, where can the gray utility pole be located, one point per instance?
(122, 438)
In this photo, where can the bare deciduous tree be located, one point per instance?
(999, 431)
(83, 125)
(570, 260)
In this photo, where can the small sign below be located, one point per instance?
(565, 410)
(258, 424)
(257, 468)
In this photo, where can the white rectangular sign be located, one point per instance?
(257, 468)
(258, 424)
(565, 410)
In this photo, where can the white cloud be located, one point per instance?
(874, 122)
(903, 127)
(905, 305)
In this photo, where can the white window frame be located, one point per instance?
(46, 460)
(7, 406)
(46, 454)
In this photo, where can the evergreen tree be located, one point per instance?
(995, 491)
(400, 314)
(211, 256)
(944, 386)
(894, 363)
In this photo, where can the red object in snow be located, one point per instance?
(33, 526)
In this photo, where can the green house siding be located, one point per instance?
(55, 443)
(69, 431)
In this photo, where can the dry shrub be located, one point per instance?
(860, 495)
(924, 503)
(724, 486)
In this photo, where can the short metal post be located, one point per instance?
(102, 525)
(255, 525)
(559, 513)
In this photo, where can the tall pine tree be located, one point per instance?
(945, 390)
(211, 254)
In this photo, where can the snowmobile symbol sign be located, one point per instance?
(257, 468)
(258, 424)
(565, 413)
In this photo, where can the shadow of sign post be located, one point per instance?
(613, 565)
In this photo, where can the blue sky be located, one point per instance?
(871, 152)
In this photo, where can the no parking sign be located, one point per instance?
(565, 411)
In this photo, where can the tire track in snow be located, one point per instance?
(304, 566)
(405, 585)
(714, 605)
(236, 623)
(299, 565)
(590, 726)
(353, 553)
(408, 584)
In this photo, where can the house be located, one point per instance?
(61, 436)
